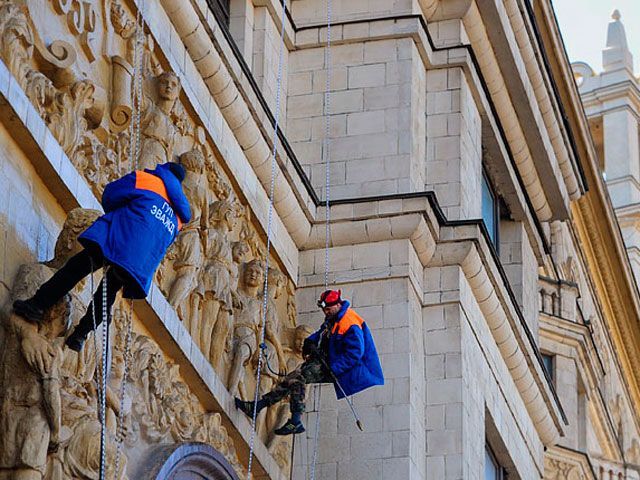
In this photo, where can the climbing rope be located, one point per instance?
(125, 376)
(99, 369)
(327, 217)
(134, 159)
(265, 292)
(104, 375)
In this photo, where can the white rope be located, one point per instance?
(265, 292)
(134, 156)
(327, 198)
(318, 401)
(103, 391)
(327, 158)
(125, 376)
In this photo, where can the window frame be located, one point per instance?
(494, 236)
(221, 10)
(552, 359)
(500, 471)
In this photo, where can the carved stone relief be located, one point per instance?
(48, 395)
(555, 469)
(212, 275)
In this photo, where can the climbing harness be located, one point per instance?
(265, 292)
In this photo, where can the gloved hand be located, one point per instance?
(309, 348)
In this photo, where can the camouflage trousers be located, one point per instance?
(295, 383)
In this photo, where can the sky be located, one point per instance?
(584, 27)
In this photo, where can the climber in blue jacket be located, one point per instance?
(341, 352)
(144, 211)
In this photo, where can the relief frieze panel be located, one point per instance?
(81, 80)
(49, 394)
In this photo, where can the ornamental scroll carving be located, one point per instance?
(81, 85)
(81, 18)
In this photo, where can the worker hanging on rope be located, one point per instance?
(144, 210)
(341, 352)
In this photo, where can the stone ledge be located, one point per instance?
(467, 247)
(71, 190)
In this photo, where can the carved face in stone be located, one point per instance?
(222, 212)
(252, 275)
(277, 283)
(168, 86)
(193, 161)
(239, 251)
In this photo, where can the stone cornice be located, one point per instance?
(467, 248)
(288, 168)
(627, 92)
(615, 286)
(597, 228)
(575, 337)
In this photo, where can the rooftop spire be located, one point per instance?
(616, 55)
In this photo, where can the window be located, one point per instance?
(220, 9)
(547, 361)
(490, 210)
(492, 469)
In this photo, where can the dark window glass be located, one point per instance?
(221, 10)
(547, 360)
(490, 210)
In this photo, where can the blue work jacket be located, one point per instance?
(144, 211)
(352, 355)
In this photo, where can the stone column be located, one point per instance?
(454, 144)
(377, 120)
(376, 278)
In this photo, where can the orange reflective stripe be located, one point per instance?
(151, 183)
(349, 319)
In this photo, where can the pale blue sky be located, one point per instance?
(584, 27)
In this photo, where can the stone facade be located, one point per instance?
(469, 223)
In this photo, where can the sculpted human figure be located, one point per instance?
(247, 318)
(215, 285)
(32, 363)
(30, 404)
(240, 253)
(158, 128)
(188, 248)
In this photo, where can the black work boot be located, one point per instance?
(76, 340)
(290, 428)
(246, 407)
(29, 310)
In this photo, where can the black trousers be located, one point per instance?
(77, 268)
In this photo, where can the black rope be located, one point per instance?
(263, 347)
